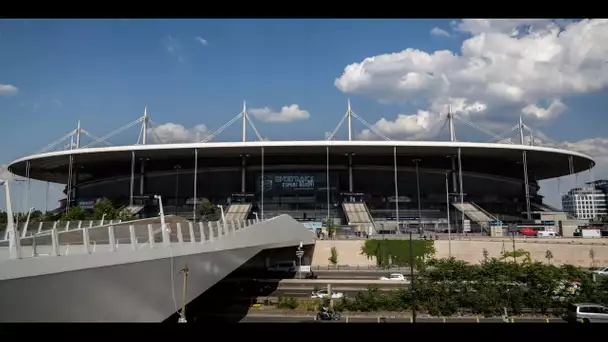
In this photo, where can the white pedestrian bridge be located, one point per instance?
(128, 271)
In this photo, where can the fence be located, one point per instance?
(111, 237)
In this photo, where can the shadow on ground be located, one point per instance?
(229, 300)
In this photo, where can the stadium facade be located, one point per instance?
(358, 182)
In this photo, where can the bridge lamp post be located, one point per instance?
(223, 216)
(27, 220)
(10, 223)
(162, 211)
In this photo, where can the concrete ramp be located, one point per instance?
(134, 282)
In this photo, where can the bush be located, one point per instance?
(287, 303)
(447, 286)
(334, 256)
(397, 252)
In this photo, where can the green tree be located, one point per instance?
(75, 214)
(485, 254)
(50, 216)
(208, 211)
(334, 256)
(36, 216)
(105, 207)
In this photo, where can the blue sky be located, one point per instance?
(192, 72)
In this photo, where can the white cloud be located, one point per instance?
(596, 148)
(201, 40)
(8, 89)
(174, 48)
(555, 109)
(505, 68)
(436, 31)
(287, 114)
(175, 133)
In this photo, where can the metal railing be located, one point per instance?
(114, 237)
(33, 228)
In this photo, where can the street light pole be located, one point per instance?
(177, 168)
(418, 192)
(300, 254)
(412, 286)
(396, 188)
(447, 207)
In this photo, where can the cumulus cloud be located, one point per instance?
(202, 41)
(436, 31)
(286, 114)
(505, 68)
(8, 89)
(175, 133)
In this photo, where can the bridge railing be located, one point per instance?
(33, 228)
(114, 237)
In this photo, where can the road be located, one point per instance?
(356, 274)
(261, 318)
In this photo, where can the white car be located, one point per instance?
(394, 277)
(322, 294)
(602, 271)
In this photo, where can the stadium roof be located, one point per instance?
(555, 162)
(549, 161)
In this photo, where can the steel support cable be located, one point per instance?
(56, 142)
(255, 130)
(480, 129)
(504, 135)
(371, 128)
(221, 129)
(113, 133)
(333, 133)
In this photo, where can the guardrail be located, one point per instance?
(358, 268)
(111, 238)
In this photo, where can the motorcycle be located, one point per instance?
(328, 316)
(311, 275)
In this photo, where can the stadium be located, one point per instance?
(363, 184)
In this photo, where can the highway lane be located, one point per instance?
(261, 318)
(306, 293)
(356, 274)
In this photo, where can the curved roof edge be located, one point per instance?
(308, 143)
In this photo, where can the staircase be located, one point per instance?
(357, 214)
(476, 214)
(238, 212)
